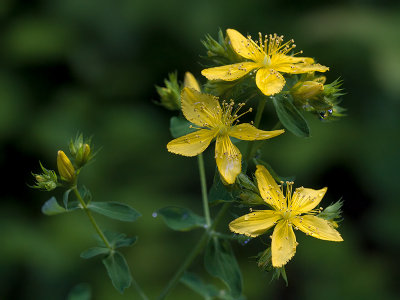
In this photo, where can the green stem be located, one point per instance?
(138, 289)
(193, 254)
(257, 120)
(204, 189)
(92, 220)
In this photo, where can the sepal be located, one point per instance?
(47, 181)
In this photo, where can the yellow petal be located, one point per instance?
(244, 47)
(306, 68)
(200, 109)
(282, 59)
(190, 81)
(248, 132)
(229, 159)
(283, 246)
(269, 190)
(192, 143)
(304, 200)
(255, 223)
(269, 81)
(229, 72)
(317, 227)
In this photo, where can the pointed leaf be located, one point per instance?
(125, 242)
(179, 218)
(115, 210)
(290, 116)
(116, 239)
(65, 198)
(208, 291)
(118, 271)
(81, 291)
(92, 252)
(220, 262)
(179, 126)
(51, 207)
(218, 192)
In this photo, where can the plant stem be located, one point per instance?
(92, 220)
(204, 189)
(196, 251)
(257, 120)
(138, 289)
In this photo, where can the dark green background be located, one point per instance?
(69, 65)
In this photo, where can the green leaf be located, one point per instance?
(118, 271)
(92, 252)
(116, 239)
(179, 126)
(51, 207)
(65, 198)
(115, 210)
(192, 281)
(220, 262)
(81, 291)
(85, 194)
(218, 192)
(179, 218)
(290, 116)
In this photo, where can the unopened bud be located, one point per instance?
(306, 90)
(250, 198)
(83, 155)
(46, 181)
(170, 95)
(65, 167)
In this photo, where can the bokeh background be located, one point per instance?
(91, 66)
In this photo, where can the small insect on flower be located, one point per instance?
(268, 58)
(288, 211)
(219, 122)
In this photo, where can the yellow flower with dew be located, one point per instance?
(288, 211)
(219, 122)
(268, 58)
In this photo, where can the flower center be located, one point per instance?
(286, 215)
(230, 116)
(267, 61)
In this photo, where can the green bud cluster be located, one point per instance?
(170, 95)
(81, 151)
(47, 181)
(220, 52)
(312, 95)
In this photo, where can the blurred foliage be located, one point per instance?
(91, 66)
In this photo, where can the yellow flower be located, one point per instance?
(217, 122)
(268, 58)
(288, 211)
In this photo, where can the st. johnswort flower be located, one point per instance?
(288, 211)
(216, 121)
(268, 57)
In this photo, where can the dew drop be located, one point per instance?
(154, 215)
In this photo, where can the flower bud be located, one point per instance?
(170, 95)
(65, 168)
(83, 155)
(306, 90)
(46, 181)
(250, 198)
